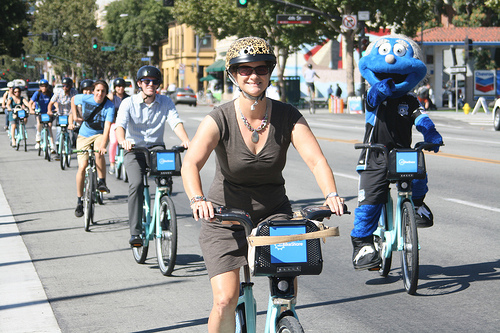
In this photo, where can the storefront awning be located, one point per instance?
(208, 78)
(218, 66)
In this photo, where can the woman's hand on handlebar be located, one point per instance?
(202, 210)
(336, 205)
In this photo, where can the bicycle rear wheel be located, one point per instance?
(381, 246)
(166, 244)
(289, 324)
(88, 203)
(409, 256)
(141, 252)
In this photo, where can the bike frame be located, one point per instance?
(390, 222)
(152, 225)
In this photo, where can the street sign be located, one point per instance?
(349, 22)
(145, 59)
(455, 70)
(150, 53)
(293, 19)
(39, 59)
(31, 66)
(364, 15)
(107, 48)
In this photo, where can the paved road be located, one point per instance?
(55, 277)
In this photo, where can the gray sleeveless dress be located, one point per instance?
(247, 181)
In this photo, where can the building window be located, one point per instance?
(206, 42)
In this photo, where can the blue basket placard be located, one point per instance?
(21, 113)
(165, 161)
(63, 120)
(407, 162)
(291, 252)
(45, 117)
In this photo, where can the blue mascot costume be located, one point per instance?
(393, 67)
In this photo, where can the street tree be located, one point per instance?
(14, 26)
(222, 18)
(134, 27)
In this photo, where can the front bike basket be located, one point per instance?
(406, 164)
(165, 163)
(63, 120)
(287, 259)
(21, 114)
(45, 118)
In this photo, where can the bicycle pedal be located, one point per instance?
(374, 268)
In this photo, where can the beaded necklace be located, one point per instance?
(255, 131)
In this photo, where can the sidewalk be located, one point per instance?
(24, 307)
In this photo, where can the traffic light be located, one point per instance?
(168, 3)
(468, 47)
(55, 37)
(241, 3)
(94, 43)
(47, 56)
(24, 64)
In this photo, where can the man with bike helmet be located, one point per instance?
(61, 102)
(141, 122)
(5, 98)
(250, 136)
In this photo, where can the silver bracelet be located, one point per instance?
(331, 194)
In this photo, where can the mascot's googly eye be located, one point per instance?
(399, 50)
(384, 49)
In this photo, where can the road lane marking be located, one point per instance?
(471, 204)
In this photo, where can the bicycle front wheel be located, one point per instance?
(88, 203)
(166, 244)
(41, 144)
(289, 324)
(25, 138)
(409, 256)
(241, 325)
(62, 158)
(67, 150)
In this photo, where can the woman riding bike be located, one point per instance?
(117, 96)
(251, 136)
(15, 101)
(42, 98)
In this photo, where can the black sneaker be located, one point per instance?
(79, 210)
(364, 256)
(423, 216)
(101, 186)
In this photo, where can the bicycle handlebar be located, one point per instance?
(317, 213)
(383, 148)
(147, 154)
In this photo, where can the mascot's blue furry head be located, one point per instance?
(395, 57)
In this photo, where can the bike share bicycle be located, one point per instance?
(120, 172)
(45, 139)
(161, 225)
(281, 250)
(397, 230)
(21, 135)
(91, 194)
(64, 147)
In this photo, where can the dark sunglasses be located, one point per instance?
(247, 70)
(149, 81)
(43, 85)
(67, 85)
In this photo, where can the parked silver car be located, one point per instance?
(184, 96)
